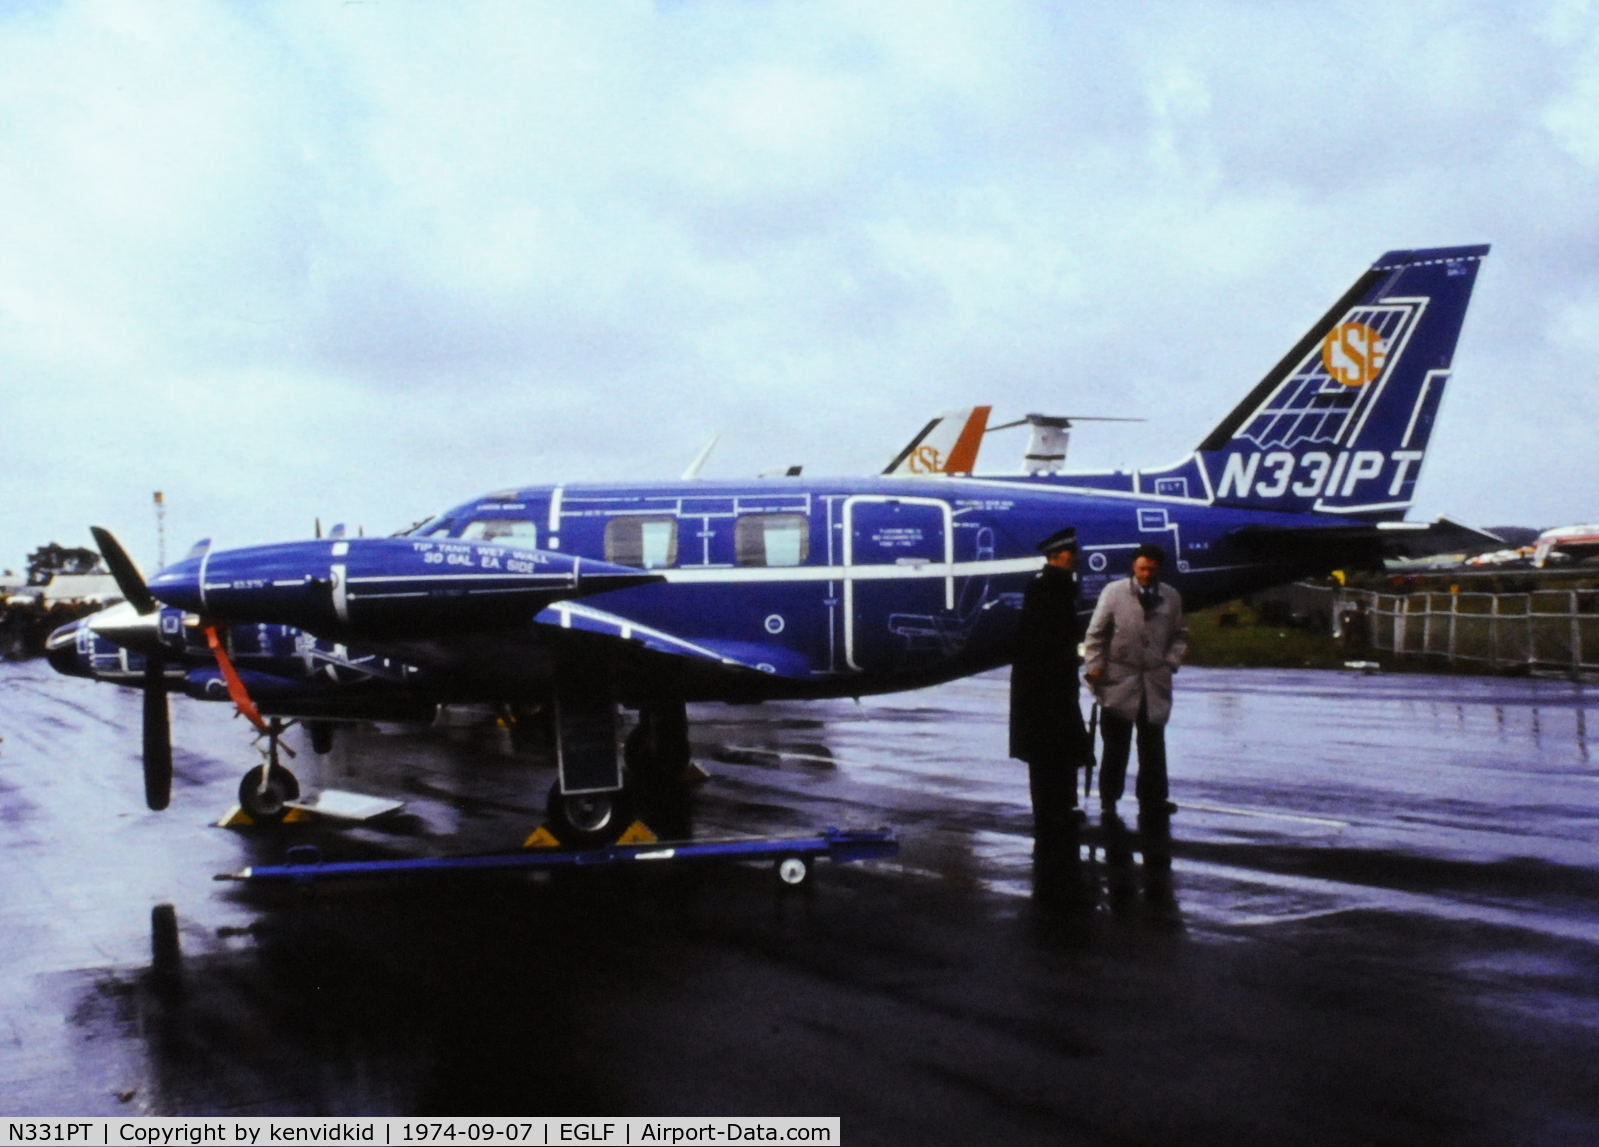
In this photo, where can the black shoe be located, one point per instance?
(1161, 808)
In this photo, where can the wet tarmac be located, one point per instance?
(1376, 920)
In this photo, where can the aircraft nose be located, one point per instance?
(179, 585)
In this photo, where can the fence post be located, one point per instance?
(1576, 636)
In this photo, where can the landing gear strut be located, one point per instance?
(589, 805)
(659, 761)
(657, 750)
(267, 789)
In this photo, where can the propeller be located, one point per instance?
(157, 736)
(127, 575)
(157, 714)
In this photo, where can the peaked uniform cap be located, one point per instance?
(1060, 540)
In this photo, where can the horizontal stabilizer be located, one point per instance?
(1367, 540)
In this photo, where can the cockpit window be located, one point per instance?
(641, 541)
(771, 539)
(430, 528)
(518, 531)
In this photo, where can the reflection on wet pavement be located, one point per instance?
(1373, 919)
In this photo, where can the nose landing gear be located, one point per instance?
(267, 789)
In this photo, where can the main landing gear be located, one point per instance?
(596, 796)
(598, 792)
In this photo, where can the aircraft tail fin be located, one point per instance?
(1341, 423)
(946, 445)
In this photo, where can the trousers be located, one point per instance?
(1152, 788)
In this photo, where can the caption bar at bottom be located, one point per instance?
(167, 1131)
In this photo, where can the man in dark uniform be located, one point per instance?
(1046, 720)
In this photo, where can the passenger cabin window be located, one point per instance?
(644, 542)
(515, 531)
(772, 539)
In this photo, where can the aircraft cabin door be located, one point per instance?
(899, 581)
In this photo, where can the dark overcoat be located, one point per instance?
(1046, 720)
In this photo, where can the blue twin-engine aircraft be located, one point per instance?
(577, 600)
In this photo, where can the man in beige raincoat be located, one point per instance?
(1134, 644)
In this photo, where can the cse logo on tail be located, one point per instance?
(1354, 354)
(925, 460)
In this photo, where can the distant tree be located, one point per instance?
(47, 561)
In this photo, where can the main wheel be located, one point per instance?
(272, 805)
(792, 871)
(589, 820)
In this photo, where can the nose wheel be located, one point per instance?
(267, 789)
(265, 794)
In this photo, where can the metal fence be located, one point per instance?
(1547, 630)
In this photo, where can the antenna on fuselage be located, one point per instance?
(698, 464)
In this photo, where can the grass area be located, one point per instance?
(1232, 635)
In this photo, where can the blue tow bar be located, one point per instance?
(794, 856)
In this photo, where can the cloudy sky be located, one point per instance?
(363, 260)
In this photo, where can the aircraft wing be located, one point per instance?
(1371, 541)
(582, 618)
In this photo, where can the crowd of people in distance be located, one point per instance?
(26, 622)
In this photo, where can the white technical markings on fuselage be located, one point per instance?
(521, 579)
(553, 533)
(476, 588)
(764, 574)
(630, 630)
(205, 560)
(691, 504)
(1090, 492)
(1137, 478)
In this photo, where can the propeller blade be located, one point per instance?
(236, 689)
(129, 580)
(157, 736)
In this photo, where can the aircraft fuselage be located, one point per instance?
(847, 588)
